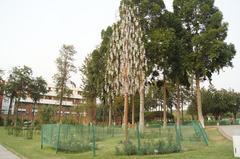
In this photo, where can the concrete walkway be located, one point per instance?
(5, 154)
(230, 130)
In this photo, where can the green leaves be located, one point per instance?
(203, 22)
(64, 67)
(18, 82)
(37, 88)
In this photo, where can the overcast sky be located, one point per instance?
(33, 31)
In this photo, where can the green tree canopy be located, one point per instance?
(206, 32)
(65, 67)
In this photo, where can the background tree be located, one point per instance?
(164, 47)
(1, 81)
(93, 71)
(218, 103)
(206, 33)
(64, 67)
(46, 114)
(90, 70)
(17, 87)
(37, 88)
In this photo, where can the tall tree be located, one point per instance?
(65, 67)
(126, 63)
(1, 82)
(208, 53)
(93, 71)
(90, 82)
(163, 44)
(17, 87)
(37, 88)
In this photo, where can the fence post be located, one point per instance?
(138, 138)
(42, 136)
(58, 138)
(178, 136)
(89, 132)
(113, 127)
(203, 132)
(93, 140)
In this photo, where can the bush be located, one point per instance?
(149, 147)
(210, 122)
(224, 122)
(126, 148)
(75, 146)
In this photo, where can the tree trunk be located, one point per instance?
(10, 107)
(92, 111)
(164, 104)
(126, 115)
(235, 117)
(16, 112)
(182, 109)
(110, 114)
(60, 111)
(133, 109)
(199, 103)
(141, 115)
(178, 106)
(33, 113)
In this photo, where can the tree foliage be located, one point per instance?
(126, 62)
(17, 86)
(65, 67)
(37, 88)
(217, 103)
(93, 71)
(205, 35)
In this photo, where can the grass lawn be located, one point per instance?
(219, 148)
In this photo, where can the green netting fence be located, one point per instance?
(78, 138)
(159, 140)
(153, 140)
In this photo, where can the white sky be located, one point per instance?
(33, 31)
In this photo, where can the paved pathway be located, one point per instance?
(5, 154)
(230, 130)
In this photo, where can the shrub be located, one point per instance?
(210, 122)
(75, 146)
(126, 148)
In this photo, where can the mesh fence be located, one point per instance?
(158, 140)
(153, 140)
(76, 137)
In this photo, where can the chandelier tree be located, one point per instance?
(126, 62)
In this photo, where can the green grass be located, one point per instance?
(218, 147)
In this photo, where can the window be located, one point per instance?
(48, 97)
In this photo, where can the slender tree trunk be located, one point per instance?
(178, 105)
(133, 109)
(182, 110)
(92, 110)
(126, 115)
(234, 117)
(16, 112)
(33, 113)
(199, 103)
(10, 108)
(110, 114)
(164, 103)
(141, 115)
(60, 111)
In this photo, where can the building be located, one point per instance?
(25, 106)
